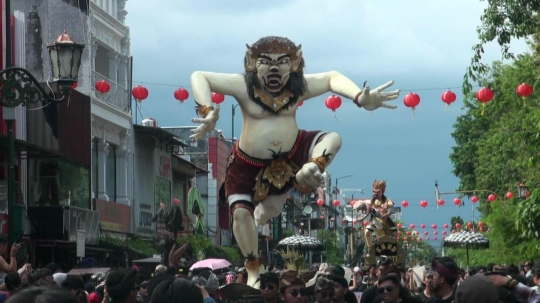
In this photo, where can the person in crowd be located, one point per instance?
(54, 267)
(535, 278)
(59, 278)
(391, 290)
(527, 266)
(142, 296)
(13, 285)
(160, 269)
(292, 289)
(6, 268)
(75, 285)
(426, 291)
(445, 276)
(269, 286)
(357, 281)
(324, 289)
(384, 269)
(210, 282)
(96, 296)
(372, 275)
(43, 277)
(176, 290)
(42, 295)
(477, 289)
(341, 286)
(121, 286)
(241, 275)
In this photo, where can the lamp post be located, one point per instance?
(233, 112)
(19, 87)
(523, 190)
(358, 191)
(337, 179)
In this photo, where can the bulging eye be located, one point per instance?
(284, 61)
(265, 62)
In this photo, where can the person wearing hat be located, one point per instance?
(342, 293)
(160, 269)
(269, 286)
(324, 289)
(183, 271)
(445, 276)
(292, 289)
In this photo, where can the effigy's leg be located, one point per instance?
(322, 151)
(269, 208)
(245, 232)
(328, 144)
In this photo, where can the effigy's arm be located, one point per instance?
(204, 83)
(333, 81)
(337, 83)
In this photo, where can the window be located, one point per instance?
(110, 173)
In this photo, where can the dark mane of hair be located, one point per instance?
(296, 84)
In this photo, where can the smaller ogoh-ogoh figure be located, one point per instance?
(380, 209)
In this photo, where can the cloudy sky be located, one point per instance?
(423, 45)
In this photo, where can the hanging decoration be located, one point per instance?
(492, 198)
(404, 204)
(448, 97)
(423, 203)
(103, 86)
(333, 102)
(300, 103)
(181, 94)
(320, 202)
(524, 90)
(422, 226)
(412, 226)
(509, 195)
(458, 226)
(336, 203)
(140, 93)
(218, 98)
(411, 100)
(440, 202)
(457, 201)
(434, 226)
(445, 225)
(399, 225)
(484, 95)
(474, 199)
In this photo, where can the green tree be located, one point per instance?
(334, 251)
(501, 21)
(497, 149)
(455, 220)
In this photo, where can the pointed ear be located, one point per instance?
(298, 63)
(249, 62)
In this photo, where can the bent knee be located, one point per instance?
(242, 211)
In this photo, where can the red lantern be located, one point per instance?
(300, 103)
(426, 233)
(333, 102)
(354, 222)
(524, 90)
(336, 203)
(404, 239)
(457, 201)
(448, 97)
(474, 199)
(427, 238)
(411, 100)
(458, 226)
(218, 98)
(176, 201)
(423, 203)
(481, 228)
(412, 226)
(320, 202)
(484, 95)
(492, 198)
(103, 86)
(435, 238)
(408, 233)
(434, 226)
(481, 224)
(444, 232)
(470, 224)
(404, 204)
(399, 225)
(181, 94)
(445, 225)
(440, 202)
(422, 226)
(139, 93)
(509, 195)
(74, 86)
(419, 239)
(366, 223)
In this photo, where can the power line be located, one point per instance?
(189, 86)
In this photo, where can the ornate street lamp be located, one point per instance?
(332, 223)
(19, 87)
(523, 190)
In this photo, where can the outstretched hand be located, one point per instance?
(176, 254)
(208, 123)
(373, 99)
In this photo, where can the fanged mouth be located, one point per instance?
(273, 81)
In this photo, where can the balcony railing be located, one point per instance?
(118, 97)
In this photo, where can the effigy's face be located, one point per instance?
(377, 193)
(273, 71)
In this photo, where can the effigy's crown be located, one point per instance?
(379, 184)
(274, 45)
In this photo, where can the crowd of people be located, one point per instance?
(440, 282)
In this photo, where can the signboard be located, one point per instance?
(76, 219)
(114, 217)
(145, 227)
(165, 166)
(81, 245)
(386, 246)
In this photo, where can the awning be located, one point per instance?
(32, 151)
(165, 140)
(187, 167)
(88, 271)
